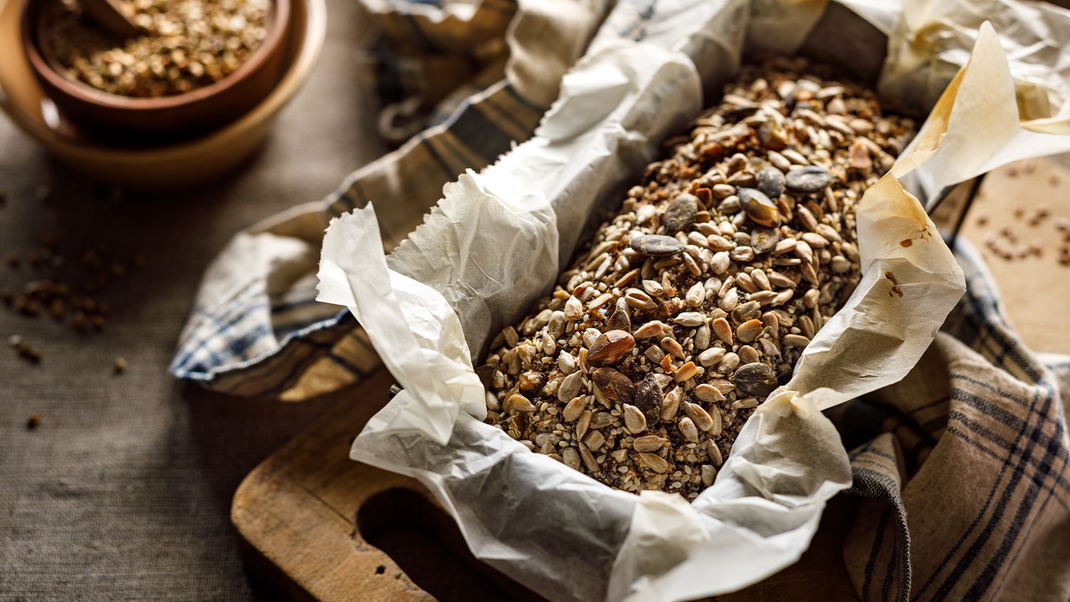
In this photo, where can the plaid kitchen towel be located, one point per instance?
(963, 466)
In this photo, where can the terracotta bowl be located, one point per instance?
(124, 120)
(165, 166)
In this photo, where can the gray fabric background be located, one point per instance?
(123, 492)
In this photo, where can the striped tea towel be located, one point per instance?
(963, 465)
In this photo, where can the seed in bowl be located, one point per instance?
(185, 44)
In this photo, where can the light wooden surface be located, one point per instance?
(297, 513)
(1035, 288)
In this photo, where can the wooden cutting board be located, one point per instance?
(314, 525)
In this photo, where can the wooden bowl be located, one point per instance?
(125, 120)
(163, 167)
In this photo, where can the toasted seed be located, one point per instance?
(771, 182)
(492, 401)
(672, 403)
(728, 300)
(720, 262)
(649, 443)
(680, 213)
(709, 474)
(566, 363)
(536, 323)
(672, 347)
(688, 429)
(588, 458)
(728, 362)
(755, 379)
(764, 240)
(759, 207)
(711, 356)
(582, 424)
(815, 240)
(702, 337)
(690, 319)
(749, 331)
(653, 288)
(570, 386)
(716, 242)
(574, 408)
(795, 340)
(638, 299)
(759, 278)
(656, 245)
(614, 385)
(594, 440)
(808, 179)
(634, 420)
(601, 420)
(610, 347)
(747, 311)
(654, 328)
(745, 403)
(715, 455)
(699, 416)
(573, 309)
(649, 399)
(748, 354)
(708, 393)
(517, 403)
(571, 458)
(779, 280)
(744, 281)
(653, 462)
(621, 318)
(686, 372)
(722, 330)
(696, 295)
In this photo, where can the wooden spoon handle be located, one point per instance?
(111, 16)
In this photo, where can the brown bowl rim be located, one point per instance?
(86, 93)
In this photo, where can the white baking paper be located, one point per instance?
(496, 242)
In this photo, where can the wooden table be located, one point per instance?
(314, 525)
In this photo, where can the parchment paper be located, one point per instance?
(497, 240)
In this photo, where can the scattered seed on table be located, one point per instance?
(33, 421)
(120, 365)
(1019, 209)
(982, 217)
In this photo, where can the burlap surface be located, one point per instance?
(123, 491)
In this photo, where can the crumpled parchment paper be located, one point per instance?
(498, 239)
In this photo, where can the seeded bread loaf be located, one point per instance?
(694, 301)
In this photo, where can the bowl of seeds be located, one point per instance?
(192, 66)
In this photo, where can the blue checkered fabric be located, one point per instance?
(963, 466)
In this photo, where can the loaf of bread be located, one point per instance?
(694, 301)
